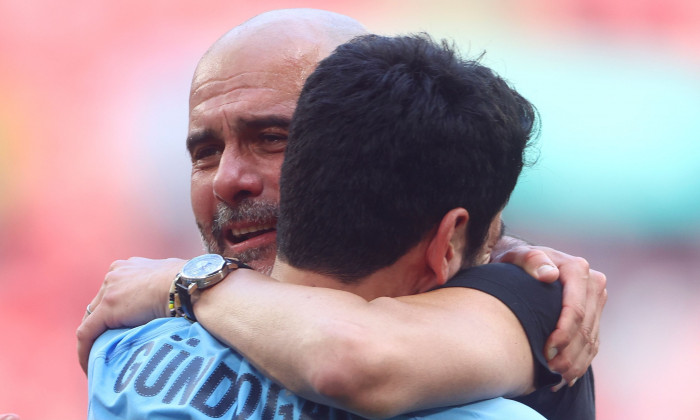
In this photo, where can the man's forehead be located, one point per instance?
(253, 67)
(257, 89)
(227, 101)
(225, 114)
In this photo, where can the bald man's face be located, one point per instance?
(241, 103)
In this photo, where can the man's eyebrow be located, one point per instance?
(264, 122)
(197, 137)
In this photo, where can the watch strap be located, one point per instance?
(185, 307)
(174, 305)
(235, 263)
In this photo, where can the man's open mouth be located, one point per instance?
(237, 236)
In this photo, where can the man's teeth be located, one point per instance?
(251, 229)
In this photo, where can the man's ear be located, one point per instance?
(445, 250)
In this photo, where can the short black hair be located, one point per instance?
(389, 134)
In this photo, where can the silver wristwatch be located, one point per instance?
(200, 273)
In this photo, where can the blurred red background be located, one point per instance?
(93, 113)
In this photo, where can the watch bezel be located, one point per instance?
(203, 270)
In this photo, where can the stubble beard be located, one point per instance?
(258, 212)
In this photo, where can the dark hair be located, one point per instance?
(389, 134)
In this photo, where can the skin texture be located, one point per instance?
(243, 95)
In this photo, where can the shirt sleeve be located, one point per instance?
(536, 304)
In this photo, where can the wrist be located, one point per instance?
(164, 283)
(197, 275)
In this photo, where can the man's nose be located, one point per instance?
(237, 178)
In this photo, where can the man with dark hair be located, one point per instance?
(328, 345)
(423, 107)
(391, 133)
(466, 128)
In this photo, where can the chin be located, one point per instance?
(261, 259)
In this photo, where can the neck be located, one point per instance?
(408, 276)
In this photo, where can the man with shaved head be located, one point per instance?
(243, 96)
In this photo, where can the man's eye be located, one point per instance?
(273, 138)
(205, 152)
(272, 142)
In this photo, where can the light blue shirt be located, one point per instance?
(172, 368)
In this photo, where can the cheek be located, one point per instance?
(272, 178)
(202, 197)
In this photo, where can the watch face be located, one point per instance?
(203, 266)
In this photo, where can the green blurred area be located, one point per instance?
(619, 150)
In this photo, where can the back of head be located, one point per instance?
(390, 134)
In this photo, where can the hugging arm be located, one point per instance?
(377, 358)
(134, 291)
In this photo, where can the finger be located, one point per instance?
(559, 357)
(88, 311)
(564, 335)
(88, 331)
(580, 362)
(94, 302)
(574, 279)
(534, 261)
(559, 386)
(600, 294)
(588, 337)
(574, 359)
